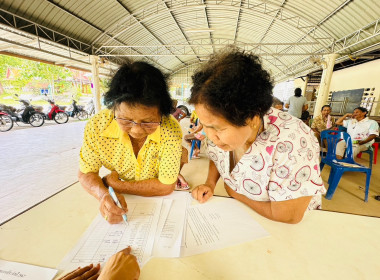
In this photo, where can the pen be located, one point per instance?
(117, 202)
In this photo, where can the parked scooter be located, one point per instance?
(56, 114)
(78, 111)
(6, 122)
(27, 115)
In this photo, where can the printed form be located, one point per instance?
(167, 227)
(102, 240)
(217, 224)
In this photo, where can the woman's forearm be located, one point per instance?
(213, 175)
(93, 184)
(149, 187)
(288, 211)
(341, 119)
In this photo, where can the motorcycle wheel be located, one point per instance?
(61, 118)
(82, 115)
(6, 123)
(36, 120)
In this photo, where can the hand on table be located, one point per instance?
(202, 193)
(89, 272)
(122, 265)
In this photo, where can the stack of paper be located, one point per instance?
(166, 227)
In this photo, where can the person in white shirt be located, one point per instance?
(297, 104)
(362, 130)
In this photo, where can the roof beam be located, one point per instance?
(146, 28)
(237, 22)
(95, 27)
(294, 21)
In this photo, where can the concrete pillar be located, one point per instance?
(95, 81)
(305, 86)
(324, 88)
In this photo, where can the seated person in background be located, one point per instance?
(195, 135)
(122, 265)
(362, 130)
(297, 104)
(135, 137)
(193, 120)
(322, 122)
(278, 104)
(178, 113)
(268, 159)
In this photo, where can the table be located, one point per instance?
(325, 245)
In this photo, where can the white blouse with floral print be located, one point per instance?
(282, 163)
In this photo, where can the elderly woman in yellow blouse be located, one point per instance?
(136, 138)
(322, 122)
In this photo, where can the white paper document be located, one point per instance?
(14, 270)
(102, 240)
(218, 224)
(166, 227)
(169, 237)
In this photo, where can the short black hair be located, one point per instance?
(324, 106)
(234, 85)
(298, 92)
(139, 83)
(364, 110)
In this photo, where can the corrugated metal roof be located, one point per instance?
(286, 33)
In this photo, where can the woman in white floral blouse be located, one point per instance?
(268, 159)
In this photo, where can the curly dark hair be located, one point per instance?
(139, 83)
(234, 85)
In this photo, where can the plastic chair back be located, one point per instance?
(332, 138)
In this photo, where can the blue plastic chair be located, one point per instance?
(370, 153)
(193, 143)
(332, 137)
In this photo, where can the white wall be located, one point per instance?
(366, 75)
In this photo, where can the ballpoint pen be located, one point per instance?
(117, 202)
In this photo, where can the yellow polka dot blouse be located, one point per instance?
(105, 144)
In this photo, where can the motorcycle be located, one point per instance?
(6, 122)
(56, 114)
(27, 115)
(78, 111)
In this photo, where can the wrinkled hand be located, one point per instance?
(202, 193)
(111, 179)
(121, 265)
(89, 272)
(110, 211)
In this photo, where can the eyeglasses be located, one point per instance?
(143, 125)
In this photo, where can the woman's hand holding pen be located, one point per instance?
(203, 192)
(108, 209)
